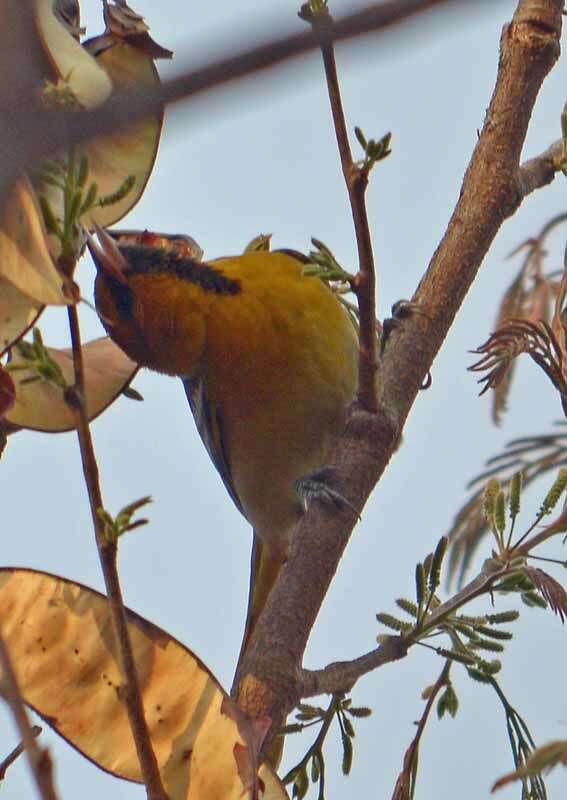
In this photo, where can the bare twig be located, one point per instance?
(540, 170)
(356, 179)
(108, 554)
(16, 753)
(406, 776)
(341, 676)
(38, 758)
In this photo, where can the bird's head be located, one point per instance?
(147, 293)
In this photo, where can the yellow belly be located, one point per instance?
(280, 366)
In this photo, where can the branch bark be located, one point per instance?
(491, 192)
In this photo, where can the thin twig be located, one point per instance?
(16, 753)
(317, 745)
(356, 179)
(108, 553)
(540, 171)
(38, 758)
(340, 676)
(402, 788)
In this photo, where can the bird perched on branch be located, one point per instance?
(268, 357)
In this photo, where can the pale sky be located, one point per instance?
(260, 157)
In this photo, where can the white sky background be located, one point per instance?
(261, 157)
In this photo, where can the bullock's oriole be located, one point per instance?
(268, 358)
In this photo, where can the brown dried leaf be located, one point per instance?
(541, 760)
(60, 637)
(130, 152)
(527, 298)
(17, 315)
(125, 24)
(126, 52)
(550, 589)
(25, 261)
(89, 83)
(538, 340)
(40, 405)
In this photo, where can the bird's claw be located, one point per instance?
(319, 485)
(401, 310)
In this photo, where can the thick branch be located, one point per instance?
(490, 193)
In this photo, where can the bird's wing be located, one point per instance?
(209, 425)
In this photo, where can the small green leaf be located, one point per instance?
(448, 703)
(300, 784)
(407, 606)
(389, 621)
(552, 497)
(315, 771)
(347, 755)
(515, 494)
(359, 711)
(348, 726)
(361, 138)
(456, 655)
(502, 617)
(439, 555)
(500, 513)
(132, 394)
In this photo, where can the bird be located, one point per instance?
(268, 357)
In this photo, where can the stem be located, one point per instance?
(356, 179)
(16, 753)
(318, 743)
(107, 552)
(39, 760)
(402, 788)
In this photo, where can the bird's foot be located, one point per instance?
(322, 484)
(401, 310)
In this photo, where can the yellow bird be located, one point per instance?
(268, 358)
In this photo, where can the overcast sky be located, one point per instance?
(260, 157)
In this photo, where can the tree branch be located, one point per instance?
(541, 170)
(340, 676)
(107, 552)
(490, 193)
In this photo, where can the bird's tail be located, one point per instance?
(264, 571)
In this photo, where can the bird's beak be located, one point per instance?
(107, 256)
